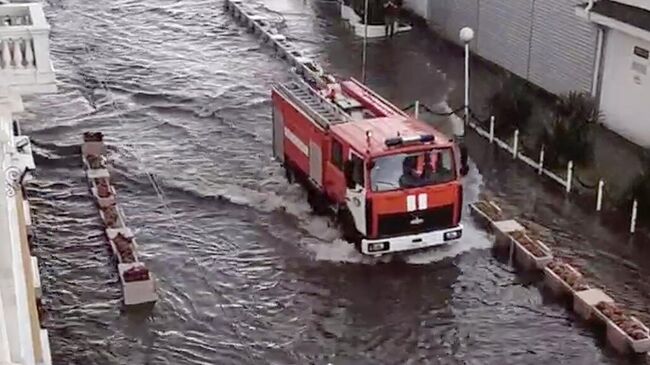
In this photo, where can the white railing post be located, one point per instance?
(599, 199)
(515, 144)
(417, 109)
(635, 206)
(541, 161)
(492, 129)
(569, 176)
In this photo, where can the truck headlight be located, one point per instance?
(453, 235)
(378, 246)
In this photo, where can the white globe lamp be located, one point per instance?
(466, 34)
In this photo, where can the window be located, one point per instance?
(405, 171)
(357, 170)
(337, 154)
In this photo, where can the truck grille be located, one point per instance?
(416, 222)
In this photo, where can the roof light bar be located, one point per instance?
(396, 141)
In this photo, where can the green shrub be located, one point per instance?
(511, 107)
(639, 189)
(578, 107)
(568, 137)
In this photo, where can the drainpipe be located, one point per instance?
(590, 5)
(600, 43)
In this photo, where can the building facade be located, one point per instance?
(600, 47)
(25, 68)
(622, 82)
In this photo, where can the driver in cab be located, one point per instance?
(418, 170)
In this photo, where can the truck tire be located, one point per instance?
(317, 202)
(289, 173)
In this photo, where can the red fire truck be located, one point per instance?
(392, 181)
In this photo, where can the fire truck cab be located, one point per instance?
(392, 181)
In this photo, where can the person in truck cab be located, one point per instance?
(424, 169)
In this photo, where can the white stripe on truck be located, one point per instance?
(296, 141)
(410, 203)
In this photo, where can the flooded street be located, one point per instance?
(246, 274)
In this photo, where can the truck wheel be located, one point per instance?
(289, 174)
(464, 157)
(317, 202)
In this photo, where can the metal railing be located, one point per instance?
(514, 149)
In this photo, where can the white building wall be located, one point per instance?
(540, 40)
(625, 90)
(419, 7)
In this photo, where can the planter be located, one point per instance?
(486, 212)
(558, 285)
(623, 342)
(584, 302)
(126, 252)
(636, 339)
(94, 162)
(348, 14)
(93, 148)
(377, 31)
(137, 291)
(117, 222)
(529, 254)
(104, 202)
(374, 31)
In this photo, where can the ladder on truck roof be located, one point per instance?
(318, 108)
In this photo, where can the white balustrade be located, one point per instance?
(25, 65)
(16, 54)
(15, 20)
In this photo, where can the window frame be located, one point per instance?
(359, 166)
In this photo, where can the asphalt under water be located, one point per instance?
(246, 274)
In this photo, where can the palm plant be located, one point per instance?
(568, 137)
(511, 107)
(639, 189)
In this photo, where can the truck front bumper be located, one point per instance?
(412, 242)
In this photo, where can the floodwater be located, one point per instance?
(246, 274)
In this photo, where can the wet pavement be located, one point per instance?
(246, 274)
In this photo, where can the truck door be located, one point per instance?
(355, 193)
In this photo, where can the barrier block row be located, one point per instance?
(625, 333)
(138, 284)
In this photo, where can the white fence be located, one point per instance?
(514, 149)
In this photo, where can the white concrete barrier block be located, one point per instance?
(37, 278)
(584, 302)
(97, 173)
(137, 292)
(27, 212)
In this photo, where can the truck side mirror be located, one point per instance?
(348, 171)
(464, 163)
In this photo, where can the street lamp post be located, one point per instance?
(466, 36)
(365, 42)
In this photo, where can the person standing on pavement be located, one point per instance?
(391, 10)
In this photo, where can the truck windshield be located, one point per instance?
(410, 170)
